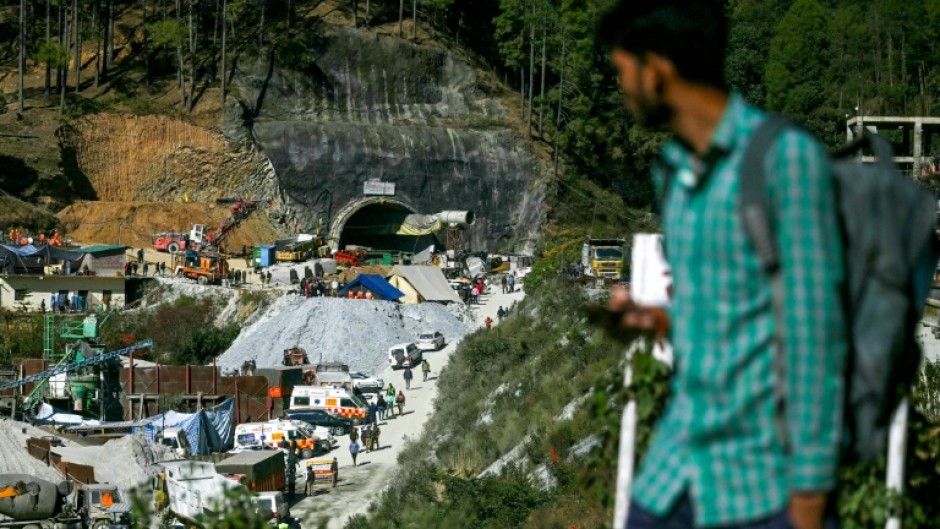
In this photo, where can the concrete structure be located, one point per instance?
(912, 152)
(104, 259)
(27, 292)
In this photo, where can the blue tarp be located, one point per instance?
(376, 284)
(208, 431)
(23, 251)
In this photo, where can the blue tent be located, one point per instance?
(211, 430)
(380, 288)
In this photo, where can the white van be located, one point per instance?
(176, 439)
(258, 435)
(338, 401)
(404, 355)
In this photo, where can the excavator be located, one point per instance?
(197, 239)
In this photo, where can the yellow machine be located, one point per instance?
(206, 268)
(603, 258)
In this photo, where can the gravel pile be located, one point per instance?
(15, 459)
(357, 332)
(127, 462)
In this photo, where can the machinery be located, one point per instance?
(603, 258)
(194, 492)
(198, 239)
(204, 267)
(33, 503)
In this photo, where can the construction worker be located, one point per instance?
(425, 369)
(374, 436)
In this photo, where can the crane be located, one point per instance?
(75, 366)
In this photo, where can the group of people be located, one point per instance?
(64, 303)
(18, 237)
(382, 408)
(508, 283)
(408, 374)
(133, 268)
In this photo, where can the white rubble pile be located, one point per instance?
(357, 332)
(127, 462)
(14, 457)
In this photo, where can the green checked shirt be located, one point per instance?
(718, 440)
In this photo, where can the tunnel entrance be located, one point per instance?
(374, 223)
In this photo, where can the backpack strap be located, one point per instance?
(757, 218)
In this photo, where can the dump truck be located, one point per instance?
(194, 492)
(259, 470)
(33, 503)
(603, 258)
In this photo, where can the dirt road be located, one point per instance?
(360, 485)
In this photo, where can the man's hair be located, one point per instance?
(692, 34)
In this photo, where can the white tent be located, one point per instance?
(422, 283)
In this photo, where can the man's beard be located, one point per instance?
(650, 114)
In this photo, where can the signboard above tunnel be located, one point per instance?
(378, 188)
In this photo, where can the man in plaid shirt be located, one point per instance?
(717, 458)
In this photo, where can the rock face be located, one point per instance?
(371, 108)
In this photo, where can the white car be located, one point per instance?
(404, 355)
(367, 383)
(430, 341)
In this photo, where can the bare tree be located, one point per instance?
(531, 75)
(21, 105)
(561, 95)
(96, 23)
(401, 18)
(542, 89)
(48, 82)
(77, 31)
(192, 57)
(264, 4)
(224, 31)
(414, 20)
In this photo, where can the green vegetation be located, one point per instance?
(504, 391)
(183, 332)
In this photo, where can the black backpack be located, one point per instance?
(888, 226)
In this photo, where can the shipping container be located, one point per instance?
(263, 470)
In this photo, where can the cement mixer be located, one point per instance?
(33, 503)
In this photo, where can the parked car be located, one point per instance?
(404, 355)
(273, 503)
(366, 383)
(430, 341)
(323, 419)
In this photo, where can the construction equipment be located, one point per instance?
(198, 239)
(295, 357)
(194, 492)
(603, 258)
(33, 503)
(206, 268)
(75, 366)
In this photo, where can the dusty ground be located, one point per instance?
(360, 485)
(133, 223)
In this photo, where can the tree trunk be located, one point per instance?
(48, 83)
(542, 89)
(110, 31)
(261, 26)
(224, 31)
(180, 77)
(561, 95)
(77, 30)
(106, 52)
(414, 20)
(95, 23)
(192, 57)
(65, 42)
(368, 12)
(531, 77)
(401, 18)
(522, 91)
(21, 104)
(290, 15)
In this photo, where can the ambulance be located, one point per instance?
(338, 401)
(270, 434)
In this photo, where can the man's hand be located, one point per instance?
(807, 510)
(625, 321)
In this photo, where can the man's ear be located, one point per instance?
(662, 69)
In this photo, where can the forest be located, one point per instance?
(816, 61)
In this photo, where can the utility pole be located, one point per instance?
(22, 60)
